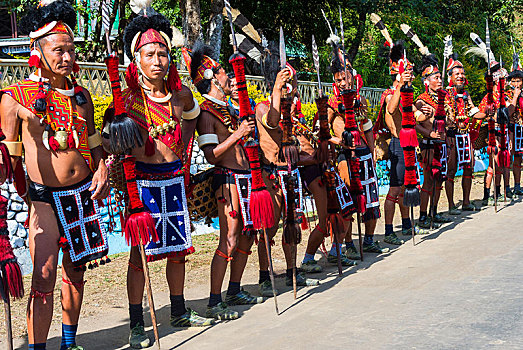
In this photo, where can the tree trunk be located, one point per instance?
(191, 20)
(355, 46)
(215, 31)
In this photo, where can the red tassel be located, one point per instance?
(174, 83)
(237, 61)
(6, 161)
(336, 225)
(149, 147)
(262, 212)
(34, 59)
(131, 76)
(504, 158)
(304, 223)
(70, 141)
(140, 224)
(355, 137)
(76, 68)
(140, 227)
(408, 137)
(439, 125)
(361, 203)
(112, 70)
(53, 144)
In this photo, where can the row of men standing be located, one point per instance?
(67, 174)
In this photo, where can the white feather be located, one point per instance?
(404, 28)
(333, 39)
(178, 40)
(374, 18)
(46, 2)
(140, 5)
(481, 44)
(449, 48)
(477, 51)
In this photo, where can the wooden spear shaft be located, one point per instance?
(149, 293)
(271, 269)
(9, 328)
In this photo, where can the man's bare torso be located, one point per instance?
(55, 169)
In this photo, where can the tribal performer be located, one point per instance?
(501, 158)
(433, 146)
(516, 122)
(221, 138)
(165, 112)
(233, 100)
(67, 175)
(459, 135)
(275, 173)
(365, 152)
(390, 122)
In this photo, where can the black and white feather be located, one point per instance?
(449, 48)
(247, 47)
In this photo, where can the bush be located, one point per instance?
(101, 103)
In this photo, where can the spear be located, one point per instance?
(358, 214)
(251, 148)
(115, 83)
(487, 44)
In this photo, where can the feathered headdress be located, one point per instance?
(147, 28)
(200, 64)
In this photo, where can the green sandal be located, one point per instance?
(311, 266)
(440, 219)
(221, 311)
(374, 248)
(138, 339)
(353, 253)
(190, 319)
(265, 289)
(302, 281)
(468, 207)
(454, 211)
(393, 239)
(332, 259)
(243, 298)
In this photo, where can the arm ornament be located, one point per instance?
(94, 140)
(207, 139)
(473, 111)
(193, 113)
(264, 122)
(367, 126)
(14, 147)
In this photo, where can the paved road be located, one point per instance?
(458, 288)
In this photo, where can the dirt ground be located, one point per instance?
(106, 285)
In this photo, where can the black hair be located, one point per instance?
(141, 24)
(36, 18)
(200, 50)
(393, 77)
(337, 65)
(397, 51)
